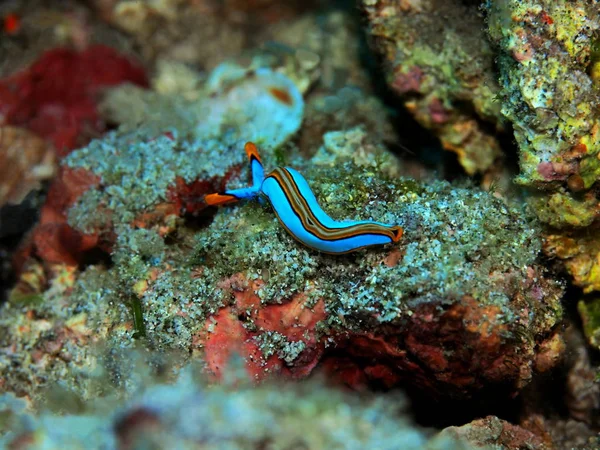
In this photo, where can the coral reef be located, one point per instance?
(459, 305)
(445, 80)
(55, 62)
(548, 94)
(389, 303)
(130, 278)
(548, 52)
(98, 190)
(184, 152)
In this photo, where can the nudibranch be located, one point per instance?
(297, 209)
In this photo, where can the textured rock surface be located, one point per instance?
(548, 71)
(496, 433)
(548, 91)
(445, 79)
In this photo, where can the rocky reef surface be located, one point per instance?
(466, 275)
(472, 306)
(445, 79)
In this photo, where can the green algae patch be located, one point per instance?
(589, 310)
(138, 318)
(562, 210)
(549, 97)
(27, 300)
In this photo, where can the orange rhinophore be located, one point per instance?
(219, 199)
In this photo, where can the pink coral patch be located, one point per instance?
(552, 171)
(226, 337)
(439, 114)
(227, 333)
(408, 82)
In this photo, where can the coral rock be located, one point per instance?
(392, 320)
(497, 433)
(548, 96)
(446, 80)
